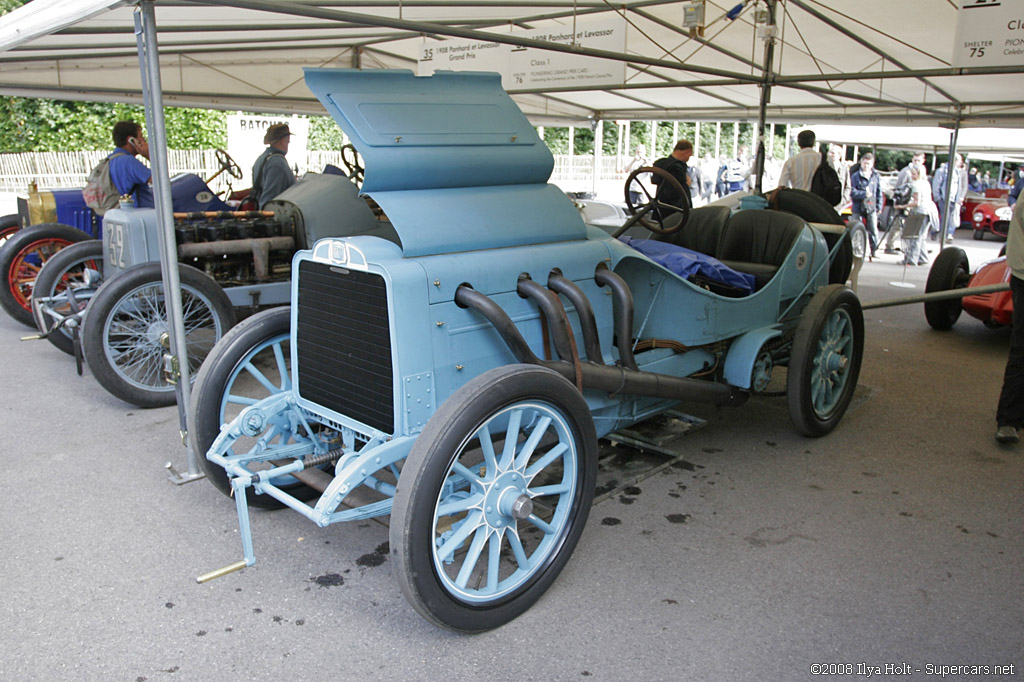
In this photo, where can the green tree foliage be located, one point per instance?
(557, 139)
(7, 5)
(46, 125)
(324, 134)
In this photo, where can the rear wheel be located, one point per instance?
(814, 209)
(79, 268)
(825, 360)
(250, 363)
(21, 259)
(126, 332)
(493, 498)
(950, 271)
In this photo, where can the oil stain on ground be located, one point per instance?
(375, 558)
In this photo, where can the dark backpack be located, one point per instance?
(99, 192)
(825, 183)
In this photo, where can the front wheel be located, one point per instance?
(21, 259)
(950, 271)
(858, 239)
(493, 498)
(78, 268)
(250, 363)
(825, 360)
(126, 332)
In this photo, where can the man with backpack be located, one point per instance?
(120, 173)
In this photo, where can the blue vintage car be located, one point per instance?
(457, 371)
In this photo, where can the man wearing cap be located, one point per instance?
(271, 173)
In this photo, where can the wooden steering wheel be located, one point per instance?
(657, 199)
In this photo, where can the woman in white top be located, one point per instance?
(920, 204)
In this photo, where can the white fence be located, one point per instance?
(65, 170)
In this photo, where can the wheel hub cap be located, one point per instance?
(506, 501)
(157, 334)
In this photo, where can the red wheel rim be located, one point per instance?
(26, 266)
(76, 275)
(7, 232)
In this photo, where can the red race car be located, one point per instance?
(987, 212)
(951, 271)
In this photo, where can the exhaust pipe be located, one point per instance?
(593, 376)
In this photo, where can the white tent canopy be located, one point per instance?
(977, 142)
(868, 61)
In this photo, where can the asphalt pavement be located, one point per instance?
(894, 541)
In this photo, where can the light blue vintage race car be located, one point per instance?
(457, 371)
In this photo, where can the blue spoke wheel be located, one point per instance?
(825, 360)
(250, 363)
(493, 498)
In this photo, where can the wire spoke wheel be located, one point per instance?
(127, 331)
(65, 286)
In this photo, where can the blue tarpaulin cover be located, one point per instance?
(686, 262)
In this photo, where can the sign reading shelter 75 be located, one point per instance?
(989, 33)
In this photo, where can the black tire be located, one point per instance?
(9, 224)
(824, 363)
(950, 271)
(67, 266)
(21, 258)
(814, 209)
(250, 348)
(123, 347)
(979, 235)
(492, 399)
(1002, 250)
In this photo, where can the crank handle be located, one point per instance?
(221, 572)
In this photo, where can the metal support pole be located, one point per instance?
(950, 169)
(766, 96)
(598, 148)
(145, 29)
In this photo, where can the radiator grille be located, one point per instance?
(344, 344)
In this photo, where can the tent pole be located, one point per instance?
(950, 169)
(149, 62)
(766, 96)
(598, 143)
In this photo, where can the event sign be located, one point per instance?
(522, 67)
(245, 141)
(989, 33)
